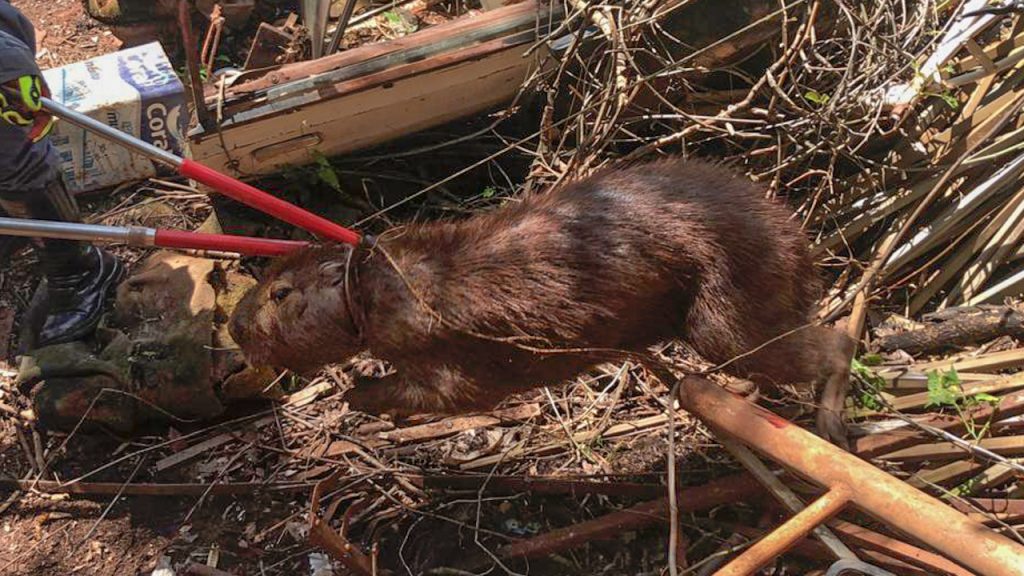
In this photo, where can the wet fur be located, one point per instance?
(623, 260)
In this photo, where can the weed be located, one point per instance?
(816, 97)
(325, 171)
(945, 390)
(871, 383)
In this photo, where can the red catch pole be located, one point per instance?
(230, 187)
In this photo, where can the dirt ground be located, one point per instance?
(64, 33)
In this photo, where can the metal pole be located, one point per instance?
(148, 237)
(889, 500)
(191, 48)
(339, 30)
(790, 500)
(226, 185)
(785, 536)
(133, 235)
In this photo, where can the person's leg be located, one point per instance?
(9, 245)
(78, 275)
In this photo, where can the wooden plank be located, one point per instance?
(991, 477)
(1004, 446)
(452, 29)
(1011, 286)
(899, 381)
(206, 445)
(944, 474)
(920, 399)
(1009, 405)
(369, 111)
(578, 438)
(991, 362)
(1008, 508)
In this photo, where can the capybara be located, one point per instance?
(537, 291)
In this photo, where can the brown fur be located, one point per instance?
(622, 260)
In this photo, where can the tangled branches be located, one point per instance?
(791, 90)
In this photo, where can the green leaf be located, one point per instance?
(868, 397)
(943, 388)
(816, 97)
(950, 100)
(982, 397)
(393, 17)
(325, 171)
(489, 191)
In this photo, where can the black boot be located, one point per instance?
(78, 276)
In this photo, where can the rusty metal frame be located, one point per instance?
(848, 480)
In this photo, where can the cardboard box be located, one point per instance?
(136, 91)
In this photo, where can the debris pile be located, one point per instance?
(894, 130)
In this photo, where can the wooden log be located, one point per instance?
(971, 326)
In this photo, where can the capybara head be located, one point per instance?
(298, 316)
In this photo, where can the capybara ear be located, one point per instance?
(331, 272)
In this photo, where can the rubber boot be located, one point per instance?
(77, 276)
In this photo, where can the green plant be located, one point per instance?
(325, 171)
(816, 97)
(871, 383)
(489, 191)
(946, 391)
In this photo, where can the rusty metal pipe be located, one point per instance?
(880, 495)
(782, 493)
(786, 536)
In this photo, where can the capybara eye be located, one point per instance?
(281, 293)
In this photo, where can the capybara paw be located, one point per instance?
(831, 427)
(364, 399)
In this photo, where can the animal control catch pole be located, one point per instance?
(147, 237)
(230, 187)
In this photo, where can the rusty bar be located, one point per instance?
(191, 48)
(723, 491)
(816, 551)
(782, 493)
(786, 536)
(575, 487)
(869, 540)
(884, 497)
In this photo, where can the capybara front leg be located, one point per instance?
(837, 354)
(400, 395)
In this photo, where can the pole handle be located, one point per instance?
(264, 202)
(226, 243)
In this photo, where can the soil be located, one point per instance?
(65, 33)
